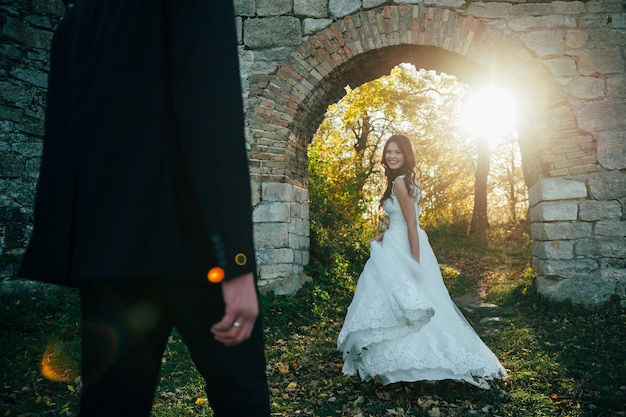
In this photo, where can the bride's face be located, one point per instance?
(394, 156)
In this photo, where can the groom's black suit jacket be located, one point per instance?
(144, 171)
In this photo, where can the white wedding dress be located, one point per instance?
(402, 324)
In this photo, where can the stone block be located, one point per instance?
(9, 50)
(586, 88)
(545, 43)
(273, 7)
(368, 4)
(611, 228)
(270, 272)
(28, 149)
(615, 275)
(556, 249)
(433, 3)
(311, 8)
(561, 67)
(616, 86)
(567, 268)
(611, 150)
(25, 34)
(597, 62)
(607, 185)
(554, 211)
(561, 230)
(612, 6)
(548, 189)
(271, 212)
(341, 8)
(281, 280)
(531, 9)
(560, 21)
(271, 235)
(276, 191)
(300, 195)
(280, 256)
(609, 247)
(593, 21)
(576, 39)
(618, 20)
(297, 226)
(586, 289)
(312, 26)
(489, 10)
(568, 7)
(599, 116)
(272, 32)
(592, 210)
(245, 7)
(523, 23)
(16, 93)
(48, 7)
(11, 166)
(255, 189)
(295, 210)
(41, 21)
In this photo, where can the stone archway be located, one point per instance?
(567, 60)
(286, 108)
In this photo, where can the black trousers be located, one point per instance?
(125, 329)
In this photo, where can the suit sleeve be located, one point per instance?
(207, 102)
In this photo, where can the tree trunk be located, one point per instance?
(480, 223)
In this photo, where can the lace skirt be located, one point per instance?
(402, 324)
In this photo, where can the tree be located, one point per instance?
(508, 201)
(346, 150)
(345, 175)
(480, 223)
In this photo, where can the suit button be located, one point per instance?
(241, 259)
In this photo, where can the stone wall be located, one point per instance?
(298, 55)
(570, 54)
(25, 34)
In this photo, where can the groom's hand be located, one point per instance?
(241, 312)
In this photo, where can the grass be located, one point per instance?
(563, 360)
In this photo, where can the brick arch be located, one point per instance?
(285, 109)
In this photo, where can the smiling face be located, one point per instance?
(394, 156)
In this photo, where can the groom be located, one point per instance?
(143, 201)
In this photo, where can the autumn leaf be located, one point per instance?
(282, 368)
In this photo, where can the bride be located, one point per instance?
(402, 324)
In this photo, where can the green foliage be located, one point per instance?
(339, 230)
(40, 349)
(427, 107)
(563, 360)
(346, 151)
(457, 282)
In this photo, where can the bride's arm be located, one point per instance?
(407, 204)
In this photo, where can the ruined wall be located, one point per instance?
(298, 55)
(25, 34)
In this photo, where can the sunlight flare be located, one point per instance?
(489, 113)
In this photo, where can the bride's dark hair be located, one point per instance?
(408, 168)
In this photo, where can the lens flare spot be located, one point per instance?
(216, 274)
(144, 317)
(56, 365)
